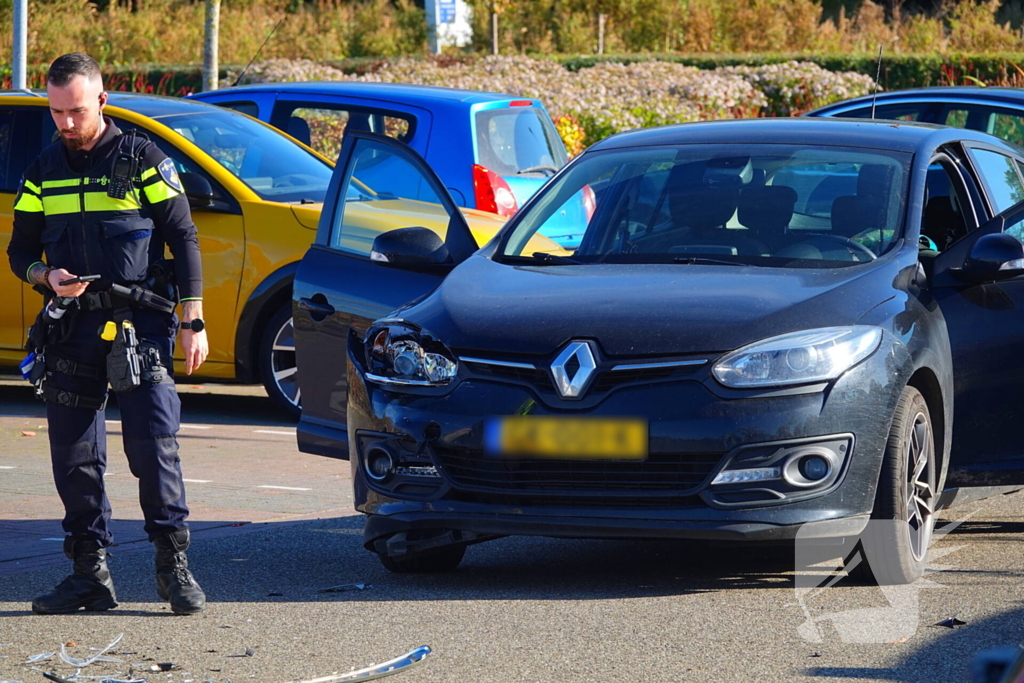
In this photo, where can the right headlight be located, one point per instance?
(399, 353)
(798, 358)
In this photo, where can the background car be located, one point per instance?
(265, 196)
(753, 344)
(492, 151)
(997, 111)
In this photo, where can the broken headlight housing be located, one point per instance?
(399, 353)
(798, 358)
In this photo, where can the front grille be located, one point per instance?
(532, 376)
(606, 380)
(662, 474)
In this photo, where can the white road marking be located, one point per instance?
(197, 481)
(283, 488)
(51, 539)
(24, 416)
(197, 426)
(7, 467)
(271, 431)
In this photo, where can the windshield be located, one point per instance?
(763, 205)
(273, 167)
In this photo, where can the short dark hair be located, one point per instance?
(66, 67)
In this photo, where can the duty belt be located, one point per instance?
(66, 366)
(71, 399)
(114, 298)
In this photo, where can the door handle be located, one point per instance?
(318, 310)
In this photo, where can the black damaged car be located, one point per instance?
(770, 326)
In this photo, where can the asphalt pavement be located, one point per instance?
(273, 527)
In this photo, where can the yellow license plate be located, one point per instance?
(567, 438)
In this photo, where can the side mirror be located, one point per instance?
(197, 190)
(994, 257)
(410, 247)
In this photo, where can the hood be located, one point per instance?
(308, 215)
(642, 310)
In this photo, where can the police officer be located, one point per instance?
(102, 202)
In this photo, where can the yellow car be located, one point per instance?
(259, 218)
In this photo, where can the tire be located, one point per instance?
(435, 561)
(278, 369)
(896, 540)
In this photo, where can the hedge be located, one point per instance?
(899, 71)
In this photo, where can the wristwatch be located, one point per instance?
(196, 325)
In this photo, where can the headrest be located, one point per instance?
(875, 179)
(358, 120)
(768, 208)
(298, 128)
(703, 208)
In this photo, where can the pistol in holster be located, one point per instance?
(123, 367)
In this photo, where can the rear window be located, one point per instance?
(518, 141)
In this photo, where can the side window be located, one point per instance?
(11, 167)
(323, 127)
(1007, 126)
(383, 186)
(246, 107)
(899, 112)
(1000, 177)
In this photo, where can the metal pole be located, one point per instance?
(211, 62)
(494, 32)
(19, 62)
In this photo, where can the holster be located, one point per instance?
(123, 369)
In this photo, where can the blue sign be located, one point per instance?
(446, 10)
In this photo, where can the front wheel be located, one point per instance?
(278, 367)
(897, 538)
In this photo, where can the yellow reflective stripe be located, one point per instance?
(71, 182)
(28, 202)
(61, 203)
(148, 173)
(29, 185)
(101, 201)
(158, 192)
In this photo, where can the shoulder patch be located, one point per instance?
(170, 174)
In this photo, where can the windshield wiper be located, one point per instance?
(694, 260)
(552, 258)
(538, 169)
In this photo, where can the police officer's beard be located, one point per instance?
(83, 136)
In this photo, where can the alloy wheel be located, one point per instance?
(283, 364)
(920, 487)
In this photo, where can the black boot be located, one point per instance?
(89, 587)
(174, 582)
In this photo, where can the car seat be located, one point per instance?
(767, 211)
(869, 208)
(941, 222)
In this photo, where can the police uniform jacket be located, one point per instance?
(63, 210)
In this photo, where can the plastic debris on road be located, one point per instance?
(98, 657)
(346, 587)
(389, 668)
(952, 622)
(39, 658)
(249, 652)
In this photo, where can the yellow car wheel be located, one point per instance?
(278, 367)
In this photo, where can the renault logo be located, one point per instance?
(573, 369)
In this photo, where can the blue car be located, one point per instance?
(492, 151)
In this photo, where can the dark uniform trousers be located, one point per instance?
(150, 415)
